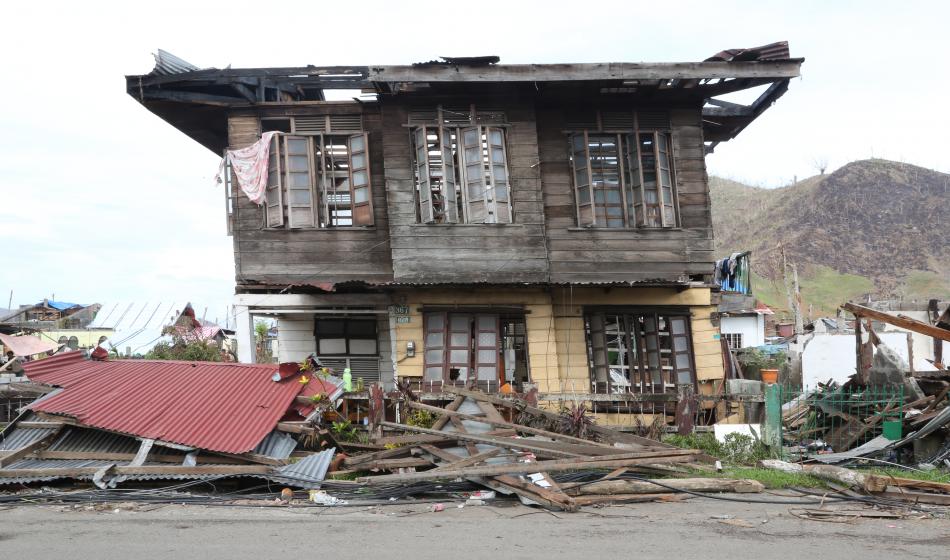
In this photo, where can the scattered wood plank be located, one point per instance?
(622, 498)
(557, 465)
(512, 443)
(451, 407)
(470, 460)
(12, 456)
(501, 423)
(602, 487)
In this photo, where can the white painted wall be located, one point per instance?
(295, 340)
(923, 344)
(832, 356)
(752, 328)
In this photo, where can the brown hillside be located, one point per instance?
(875, 219)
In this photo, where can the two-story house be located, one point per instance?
(464, 220)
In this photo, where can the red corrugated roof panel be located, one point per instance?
(220, 407)
(53, 363)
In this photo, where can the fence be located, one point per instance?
(836, 419)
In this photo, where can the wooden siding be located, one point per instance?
(466, 252)
(281, 256)
(602, 254)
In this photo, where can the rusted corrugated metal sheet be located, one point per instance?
(222, 407)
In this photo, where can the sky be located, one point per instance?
(102, 201)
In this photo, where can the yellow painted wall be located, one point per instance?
(87, 338)
(557, 346)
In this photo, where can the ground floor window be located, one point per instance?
(639, 350)
(489, 348)
(349, 342)
(734, 340)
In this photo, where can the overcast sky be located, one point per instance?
(103, 201)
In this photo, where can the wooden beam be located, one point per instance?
(296, 427)
(525, 446)
(607, 433)
(648, 487)
(471, 460)
(558, 465)
(39, 425)
(503, 424)
(590, 72)
(17, 454)
(444, 419)
(901, 321)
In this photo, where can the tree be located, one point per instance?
(820, 164)
(263, 354)
(187, 350)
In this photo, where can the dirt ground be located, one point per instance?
(696, 528)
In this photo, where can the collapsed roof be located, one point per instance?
(196, 101)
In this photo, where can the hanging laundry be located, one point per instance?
(249, 167)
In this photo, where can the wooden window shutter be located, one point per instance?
(361, 191)
(598, 346)
(436, 341)
(583, 197)
(635, 195)
(651, 342)
(681, 349)
(500, 181)
(298, 176)
(449, 198)
(487, 347)
(474, 193)
(664, 174)
(273, 192)
(459, 354)
(420, 140)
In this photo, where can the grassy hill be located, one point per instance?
(871, 227)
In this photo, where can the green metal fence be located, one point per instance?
(836, 419)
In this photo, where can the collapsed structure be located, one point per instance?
(462, 220)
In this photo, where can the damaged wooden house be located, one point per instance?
(460, 220)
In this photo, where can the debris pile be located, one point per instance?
(129, 423)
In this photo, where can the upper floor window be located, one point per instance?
(623, 174)
(461, 166)
(318, 174)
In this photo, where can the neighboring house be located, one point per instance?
(464, 220)
(742, 321)
(58, 322)
(134, 328)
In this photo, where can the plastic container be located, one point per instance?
(769, 375)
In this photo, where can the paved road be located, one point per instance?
(679, 531)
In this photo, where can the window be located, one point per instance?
(461, 166)
(346, 337)
(623, 172)
(639, 351)
(734, 340)
(318, 175)
(484, 347)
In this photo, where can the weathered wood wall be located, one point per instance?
(543, 244)
(283, 256)
(466, 253)
(604, 254)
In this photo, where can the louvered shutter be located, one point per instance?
(273, 193)
(450, 202)
(651, 342)
(580, 160)
(459, 355)
(475, 193)
(500, 192)
(420, 140)
(361, 191)
(298, 176)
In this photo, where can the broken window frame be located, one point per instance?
(472, 341)
(651, 359)
(348, 335)
(324, 174)
(734, 340)
(632, 171)
(462, 173)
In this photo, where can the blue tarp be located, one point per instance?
(62, 305)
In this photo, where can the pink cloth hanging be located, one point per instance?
(249, 167)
